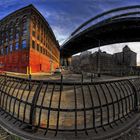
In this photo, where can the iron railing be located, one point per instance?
(62, 106)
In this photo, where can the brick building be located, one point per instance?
(27, 43)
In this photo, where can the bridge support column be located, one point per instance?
(66, 61)
(69, 61)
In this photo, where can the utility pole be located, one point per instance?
(98, 59)
(99, 69)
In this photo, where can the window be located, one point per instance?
(33, 33)
(33, 44)
(34, 25)
(17, 46)
(24, 32)
(38, 37)
(11, 37)
(11, 31)
(6, 34)
(17, 22)
(6, 49)
(11, 48)
(24, 26)
(41, 49)
(24, 44)
(17, 29)
(24, 19)
(46, 52)
(37, 47)
(17, 35)
(6, 39)
(11, 34)
(2, 51)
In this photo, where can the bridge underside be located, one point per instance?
(116, 31)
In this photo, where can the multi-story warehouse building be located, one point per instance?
(107, 63)
(126, 57)
(27, 43)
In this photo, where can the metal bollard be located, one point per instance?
(5, 78)
(82, 78)
(61, 82)
(30, 77)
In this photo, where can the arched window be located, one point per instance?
(6, 49)
(34, 22)
(17, 46)
(24, 18)
(24, 44)
(11, 47)
(24, 25)
(10, 24)
(17, 22)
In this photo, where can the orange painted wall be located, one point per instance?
(17, 61)
(40, 63)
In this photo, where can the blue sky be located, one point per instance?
(66, 15)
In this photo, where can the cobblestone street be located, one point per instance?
(134, 134)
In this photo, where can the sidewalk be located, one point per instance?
(40, 74)
(66, 77)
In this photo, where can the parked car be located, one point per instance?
(57, 70)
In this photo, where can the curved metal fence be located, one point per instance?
(68, 107)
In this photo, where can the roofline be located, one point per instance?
(50, 29)
(16, 12)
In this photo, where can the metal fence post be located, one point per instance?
(5, 78)
(61, 82)
(82, 78)
(59, 105)
(30, 77)
(135, 95)
(91, 77)
(32, 118)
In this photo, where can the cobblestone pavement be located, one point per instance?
(134, 134)
(70, 77)
(3, 135)
(6, 136)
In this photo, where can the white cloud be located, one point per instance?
(59, 33)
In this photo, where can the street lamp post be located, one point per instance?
(98, 61)
(98, 58)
